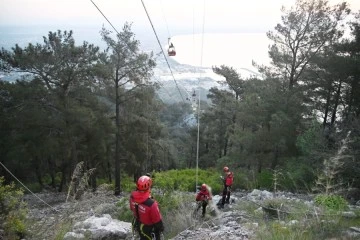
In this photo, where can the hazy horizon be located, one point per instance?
(233, 49)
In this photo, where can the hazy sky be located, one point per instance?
(171, 18)
(167, 15)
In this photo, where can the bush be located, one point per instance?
(331, 202)
(274, 209)
(265, 180)
(12, 211)
(35, 187)
(185, 180)
(298, 176)
(124, 213)
(127, 183)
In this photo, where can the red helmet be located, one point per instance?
(203, 187)
(144, 183)
(226, 169)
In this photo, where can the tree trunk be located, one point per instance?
(117, 144)
(38, 172)
(191, 157)
(52, 172)
(337, 97)
(109, 171)
(327, 105)
(259, 165)
(225, 146)
(351, 100)
(93, 176)
(108, 163)
(274, 162)
(63, 176)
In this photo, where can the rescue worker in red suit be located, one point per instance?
(228, 181)
(203, 196)
(147, 217)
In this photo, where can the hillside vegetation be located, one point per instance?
(294, 129)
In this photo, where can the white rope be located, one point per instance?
(27, 188)
(198, 130)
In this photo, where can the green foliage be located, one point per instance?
(311, 139)
(34, 187)
(331, 202)
(176, 211)
(12, 210)
(101, 181)
(171, 204)
(297, 175)
(125, 213)
(127, 183)
(328, 180)
(265, 179)
(62, 228)
(296, 220)
(168, 200)
(185, 180)
(240, 181)
(47, 179)
(275, 208)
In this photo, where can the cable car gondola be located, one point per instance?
(171, 49)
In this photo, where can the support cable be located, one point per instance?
(169, 36)
(167, 27)
(105, 17)
(119, 34)
(28, 188)
(162, 50)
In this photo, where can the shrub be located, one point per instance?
(62, 228)
(265, 179)
(35, 187)
(127, 183)
(274, 209)
(124, 213)
(185, 180)
(331, 202)
(12, 211)
(298, 176)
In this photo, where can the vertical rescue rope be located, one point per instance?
(198, 132)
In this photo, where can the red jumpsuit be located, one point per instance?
(203, 196)
(148, 220)
(228, 181)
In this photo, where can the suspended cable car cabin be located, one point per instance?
(171, 50)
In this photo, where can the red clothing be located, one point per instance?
(148, 209)
(203, 195)
(229, 178)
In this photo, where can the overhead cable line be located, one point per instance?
(198, 130)
(28, 188)
(162, 50)
(167, 27)
(105, 17)
(119, 34)
(169, 36)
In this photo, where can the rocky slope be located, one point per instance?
(94, 217)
